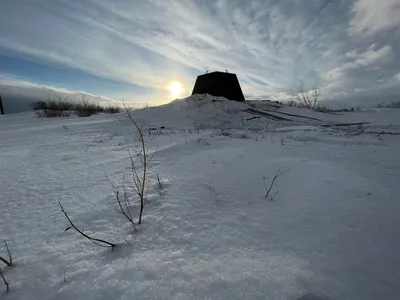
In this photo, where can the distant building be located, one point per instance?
(220, 84)
(1, 107)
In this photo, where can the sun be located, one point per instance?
(175, 89)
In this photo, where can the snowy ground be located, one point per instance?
(330, 233)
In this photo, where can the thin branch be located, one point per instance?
(127, 241)
(8, 262)
(115, 191)
(126, 198)
(120, 209)
(8, 252)
(159, 181)
(156, 201)
(135, 175)
(150, 159)
(273, 197)
(277, 175)
(95, 241)
(158, 191)
(5, 261)
(5, 281)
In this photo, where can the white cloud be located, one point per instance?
(372, 16)
(123, 67)
(19, 83)
(369, 58)
(360, 90)
(372, 56)
(147, 43)
(23, 88)
(270, 44)
(14, 86)
(397, 76)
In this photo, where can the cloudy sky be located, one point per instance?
(134, 49)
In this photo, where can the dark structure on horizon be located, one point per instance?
(219, 84)
(1, 107)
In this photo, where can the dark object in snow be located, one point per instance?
(264, 114)
(252, 118)
(345, 124)
(155, 128)
(219, 84)
(292, 115)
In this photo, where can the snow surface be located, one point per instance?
(330, 233)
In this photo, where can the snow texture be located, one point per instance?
(208, 232)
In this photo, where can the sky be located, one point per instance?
(134, 49)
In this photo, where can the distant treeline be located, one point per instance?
(63, 108)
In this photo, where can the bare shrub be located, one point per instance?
(38, 105)
(85, 108)
(47, 113)
(57, 107)
(307, 97)
(202, 141)
(112, 109)
(262, 132)
(58, 103)
(61, 107)
(325, 109)
(98, 242)
(269, 189)
(390, 105)
(140, 170)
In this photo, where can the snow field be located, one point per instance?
(331, 231)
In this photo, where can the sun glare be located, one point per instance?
(176, 89)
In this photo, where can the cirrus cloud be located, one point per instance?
(134, 49)
(371, 16)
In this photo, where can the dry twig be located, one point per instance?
(8, 262)
(278, 174)
(5, 281)
(124, 206)
(98, 242)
